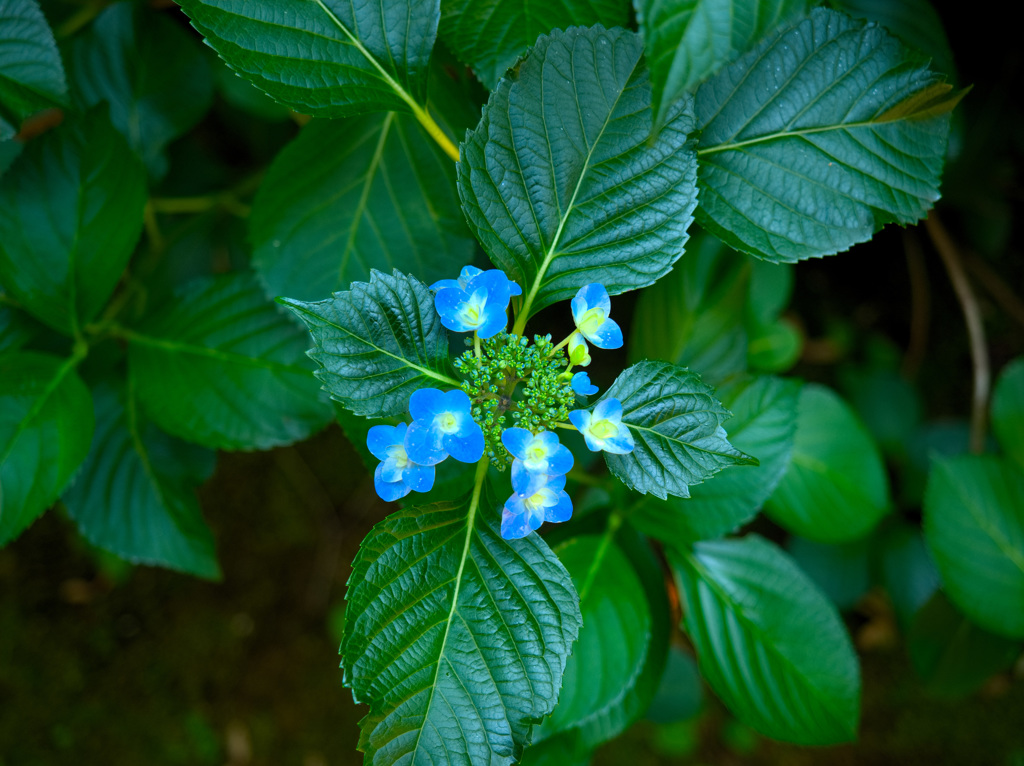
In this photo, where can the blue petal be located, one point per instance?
(423, 444)
(620, 444)
(447, 303)
(516, 440)
(389, 490)
(379, 438)
(596, 297)
(425, 403)
(608, 335)
(514, 288)
(467, 273)
(443, 284)
(465, 447)
(524, 481)
(580, 418)
(579, 308)
(560, 460)
(495, 320)
(581, 384)
(389, 471)
(515, 521)
(608, 409)
(419, 477)
(499, 290)
(562, 511)
(456, 402)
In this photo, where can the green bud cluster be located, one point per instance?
(492, 383)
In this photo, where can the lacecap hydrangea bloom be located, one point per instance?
(513, 396)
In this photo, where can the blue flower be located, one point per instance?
(442, 426)
(537, 498)
(590, 310)
(476, 301)
(396, 476)
(581, 384)
(603, 429)
(540, 453)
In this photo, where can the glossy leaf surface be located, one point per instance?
(46, 424)
(676, 424)
(350, 195)
(768, 642)
(220, 366)
(560, 182)
(31, 73)
(70, 215)
(836, 488)
(818, 137)
(455, 638)
(378, 342)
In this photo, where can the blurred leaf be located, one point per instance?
(913, 21)
(908, 572)
(693, 316)
(16, 328)
(680, 695)
(222, 367)
(456, 638)
(840, 571)
(887, 403)
(946, 438)
(952, 655)
(136, 493)
(762, 425)
(561, 182)
(348, 195)
(31, 74)
(246, 97)
(817, 138)
(771, 287)
(836, 488)
(768, 642)
(154, 76)
(688, 40)
(489, 35)
(774, 347)
(563, 749)
(325, 58)
(974, 525)
(70, 215)
(676, 424)
(1008, 411)
(9, 151)
(46, 424)
(377, 342)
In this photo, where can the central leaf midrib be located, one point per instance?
(217, 354)
(732, 146)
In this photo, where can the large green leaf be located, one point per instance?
(687, 40)
(31, 74)
(952, 655)
(561, 181)
(46, 424)
(135, 495)
(841, 571)
(222, 367)
(70, 215)
(836, 488)
(378, 342)
(348, 195)
(818, 137)
(907, 570)
(123, 59)
(16, 329)
(326, 58)
(974, 525)
(676, 424)
(489, 35)
(1008, 411)
(455, 638)
(768, 642)
(762, 425)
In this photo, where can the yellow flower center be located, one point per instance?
(397, 453)
(591, 320)
(447, 423)
(604, 429)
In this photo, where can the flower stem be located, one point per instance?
(476, 344)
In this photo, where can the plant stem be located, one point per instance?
(434, 130)
(975, 329)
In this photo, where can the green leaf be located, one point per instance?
(70, 215)
(836, 488)
(350, 194)
(561, 182)
(490, 35)
(456, 638)
(377, 343)
(840, 571)
(16, 329)
(46, 424)
(974, 525)
(952, 655)
(694, 316)
(135, 495)
(680, 695)
(246, 97)
(1008, 411)
(222, 367)
(676, 424)
(908, 572)
(768, 642)
(762, 425)
(688, 40)
(565, 749)
(817, 138)
(9, 151)
(325, 58)
(122, 59)
(31, 74)
(774, 347)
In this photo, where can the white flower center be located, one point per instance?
(397, 453)
(446, 422)
(604, 429)
(591, 320)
